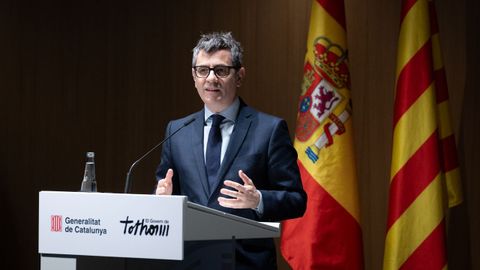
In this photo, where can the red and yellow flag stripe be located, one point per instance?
(423, 154)
(448, 149)
(329, 235)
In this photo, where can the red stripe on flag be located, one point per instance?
(413, 80)
(417, 173)
(336, 9)
(449, 153)
(431, 253)
(326, 237)
(406, 6)
(441, 89)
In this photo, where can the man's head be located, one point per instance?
(217, 69)
(213, 42)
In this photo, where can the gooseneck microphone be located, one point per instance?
(128, 180)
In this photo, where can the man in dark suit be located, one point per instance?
(232, 157)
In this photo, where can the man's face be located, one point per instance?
(216, 92)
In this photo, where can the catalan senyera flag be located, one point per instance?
(424, 170)
(329, 234)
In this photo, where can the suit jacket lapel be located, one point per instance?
(239, 133)
(197, 149)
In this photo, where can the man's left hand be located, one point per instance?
(242, 196)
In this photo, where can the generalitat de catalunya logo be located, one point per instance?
(55, 223)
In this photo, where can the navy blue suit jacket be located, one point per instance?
(260, 145)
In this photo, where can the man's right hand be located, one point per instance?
(165, 186)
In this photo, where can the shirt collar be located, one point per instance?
(230, 113)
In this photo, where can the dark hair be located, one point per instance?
(217, 41)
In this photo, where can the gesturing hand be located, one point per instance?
(243, 196)
(165, 186)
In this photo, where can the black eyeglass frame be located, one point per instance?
(214, 71)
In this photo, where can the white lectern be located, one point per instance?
(131, 231)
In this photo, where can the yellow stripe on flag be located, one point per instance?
(418, 25)
(454, 187)
(445, 129)
(408, 232)
(321, 23)
(337, 164)
(413, 129)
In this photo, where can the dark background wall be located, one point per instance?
(106, 76)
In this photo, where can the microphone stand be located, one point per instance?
(128, 181)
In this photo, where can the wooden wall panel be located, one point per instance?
(372, 35)
(106, 76)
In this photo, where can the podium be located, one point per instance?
(80, 230)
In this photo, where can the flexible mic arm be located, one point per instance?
(128, 180)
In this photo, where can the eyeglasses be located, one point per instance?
(219, 71)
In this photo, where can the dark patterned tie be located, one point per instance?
(214, 147)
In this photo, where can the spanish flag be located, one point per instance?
(424, 170)
(329, 235)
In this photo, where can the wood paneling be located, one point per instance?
(106, 76)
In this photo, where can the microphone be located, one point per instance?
(128, 181)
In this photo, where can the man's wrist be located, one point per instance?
(259, 208)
